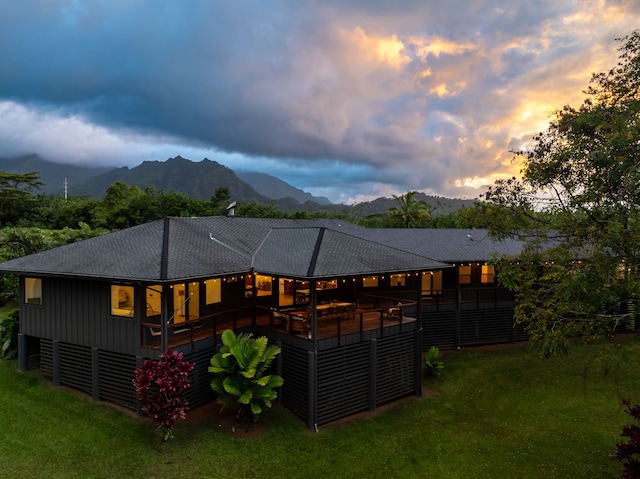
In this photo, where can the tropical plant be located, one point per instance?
(628, 453)
(409, 210)
(9, 336)
(160, 387)
(433, 365)
(241, 376)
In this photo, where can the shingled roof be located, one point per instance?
(176, 249)
(446, 245)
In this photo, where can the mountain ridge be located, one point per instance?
(200, 180)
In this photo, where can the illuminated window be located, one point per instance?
(33, 290)
(286, 292)
(263, 285)
(398, 279)
(154, 300)
(122, 300)
(370, 281)
(464, 274)
(213, 291)
(332, 284)
(302, 292)
(488, 274)
(432, 283)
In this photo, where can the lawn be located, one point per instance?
(493, 414)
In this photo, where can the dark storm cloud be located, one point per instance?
(348, 98)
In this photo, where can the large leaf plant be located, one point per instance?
(241, 374)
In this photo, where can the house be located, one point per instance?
(352, 308)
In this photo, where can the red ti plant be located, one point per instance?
(160, 387)
(628, 453)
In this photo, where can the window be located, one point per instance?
(213, 291)
(432, 283)
(154, 301)
(398, 279)
(370, 281)
(302, 291)
(464, 274)
(263, 285)
(122, 300)
(33, 290)
(488, 274)
(286, 292)
(332, 284)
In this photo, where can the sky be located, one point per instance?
(346, 99)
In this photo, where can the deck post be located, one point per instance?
(139, 363)
(23, 353)
(457, 320)
(312, 412)
(419, 361)
(279, 368)
(56, 363)
(95, 374)
(373, 366)
(164, 319)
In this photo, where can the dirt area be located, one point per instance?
(225, 420)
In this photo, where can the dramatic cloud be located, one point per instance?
(347, 99)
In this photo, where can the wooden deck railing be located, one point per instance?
(369, 312)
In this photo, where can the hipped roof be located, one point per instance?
(180, 249)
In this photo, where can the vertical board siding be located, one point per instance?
(396, 367)
(294, 392)
(77, 312)
(342, 382)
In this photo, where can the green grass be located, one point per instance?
(498, 414)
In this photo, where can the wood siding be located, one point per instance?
(78, 312)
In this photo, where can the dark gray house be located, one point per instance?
(352, 308)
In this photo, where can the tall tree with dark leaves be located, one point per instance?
(577, 205)
(16, 195)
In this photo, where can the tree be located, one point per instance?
(220, 201)
(16, 195)
(577, 205)
(240, 374)
(409, 210)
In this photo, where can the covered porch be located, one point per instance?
(330, 321)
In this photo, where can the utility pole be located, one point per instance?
(66, 189)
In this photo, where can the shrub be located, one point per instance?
(628, 453)
(432, 363)
(240, 374)
(160, 387)
(9, 336)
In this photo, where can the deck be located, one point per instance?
(293, 323)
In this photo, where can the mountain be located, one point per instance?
(439, 205)
(197, 179)
(275, 188)
(200, 180)
(52, 174)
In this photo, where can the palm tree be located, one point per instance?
(409, 209)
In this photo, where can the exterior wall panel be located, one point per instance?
(77, 312)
